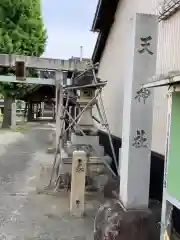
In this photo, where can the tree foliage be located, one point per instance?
(22, 32)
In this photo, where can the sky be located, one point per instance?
(68, 24)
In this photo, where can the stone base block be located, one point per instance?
(96, 177)
(51, 150)
(88, 140)
(114, 222)
(44, 176)
(52, 137)
(95, 165)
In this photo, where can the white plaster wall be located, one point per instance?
(168, 59)
(114, 62)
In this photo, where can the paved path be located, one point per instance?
(24, 215)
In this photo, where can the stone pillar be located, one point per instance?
(13, 115)
(30, 111)
(79, 162)
(25, 111)
(54, 111)
(137, 114)
(34, 110)
(39, 112)
(42, 107)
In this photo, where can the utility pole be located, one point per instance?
(81, 53)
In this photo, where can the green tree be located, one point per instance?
(22, 32)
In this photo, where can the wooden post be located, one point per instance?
(79, 162)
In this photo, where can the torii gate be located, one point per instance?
(60, 66)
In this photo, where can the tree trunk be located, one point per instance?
(7, 112)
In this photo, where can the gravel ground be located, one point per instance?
(25, 215)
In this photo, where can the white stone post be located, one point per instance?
(13, 115)
(137, 114)
(78, 176)
(42, 109)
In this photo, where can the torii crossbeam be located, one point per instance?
(58, 65)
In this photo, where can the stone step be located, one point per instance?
(88, 140)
